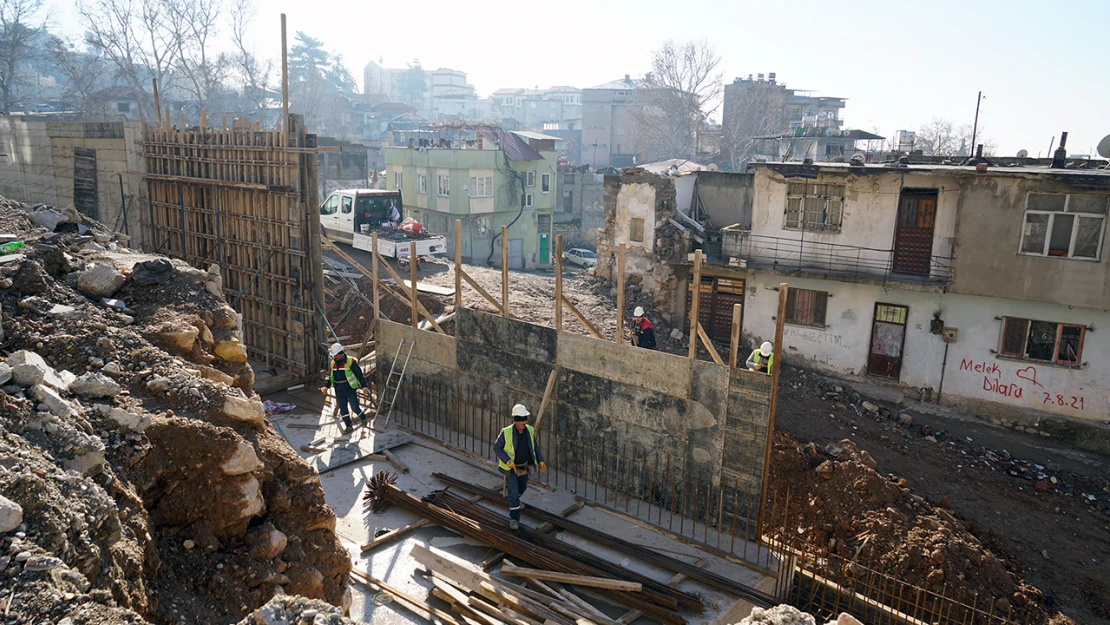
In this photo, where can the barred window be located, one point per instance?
(1042, 341)
(811, 206)
(806, 308)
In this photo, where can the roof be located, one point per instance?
(818, 133)
(118, 92)
(1089, 178)
(682, 165)
(535, 135)
(564, 89)
(508, 91)
(620, 84)
(514, 147)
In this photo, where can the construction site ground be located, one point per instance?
(1038, 507)
(391, 563)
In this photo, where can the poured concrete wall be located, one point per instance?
(704, 418)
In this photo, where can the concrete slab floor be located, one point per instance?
(392, 563)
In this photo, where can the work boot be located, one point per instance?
(514, 525)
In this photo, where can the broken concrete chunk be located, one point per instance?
(676, 334)
(779, 615)
(116, 304)
(100, 281)
(159, 385)
(52, 400)
(5, 373)
(150, 272)
(129, 420)
(29, 369)
(182, 336)
(93, 385)
(242, 409)
(242, 460)
(11, 515)
(230, 350)
(49, 219)
(112, 368)
(869, 407)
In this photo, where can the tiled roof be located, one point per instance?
(514, 147)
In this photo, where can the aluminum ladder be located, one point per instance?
(392, 386)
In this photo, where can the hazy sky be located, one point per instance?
(1042, 66)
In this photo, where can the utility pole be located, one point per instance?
(975, 126)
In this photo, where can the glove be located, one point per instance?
(512, 465)
(324, 391)
(543, 467)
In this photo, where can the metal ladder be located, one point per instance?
(392, 386)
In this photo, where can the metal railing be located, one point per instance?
(835, 260)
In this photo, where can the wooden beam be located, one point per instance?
(374, 277)
(582, 318)
(583, 606)
(366, 341)
(558, 282)
(284, 83)
(157, 100)
(620, 292)
(505, 271)
(776, 365)
(695, 299)
(734, 345)
(672, 582)
(568, 578)
(412, 284)
(546, 397)
(481, 291)
(458, 264)
(709, 346)
(395, 461)
(422, 607)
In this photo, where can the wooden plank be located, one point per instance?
(430, 288)
(477, 287)
(568, 578)
(546, 398)
(421, 607)
(582, 319)
(395, 461)
(709, 346)
(776, 366)
(673, 582)
(695, 300)
(734, 344)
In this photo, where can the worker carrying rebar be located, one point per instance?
(641, 333)
(762, 359)
(347, 380)
(516, 453)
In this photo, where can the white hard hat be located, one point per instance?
(766, 348)
(520, 411)
(335, 349)
(639, 312)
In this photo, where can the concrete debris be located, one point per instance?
(100, 281)
(49, 219)
(230, 350)
(94, 385)
(11, 515)
(129, 420)
(288, 610)
(150, 272)
(5, 373)
(778, 615)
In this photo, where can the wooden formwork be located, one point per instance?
(244, 199)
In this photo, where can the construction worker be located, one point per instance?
(347, 380)
(762, 359)
(517, 451)
(641, 332)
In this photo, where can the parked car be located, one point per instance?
(581, 257)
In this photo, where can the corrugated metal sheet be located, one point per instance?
(515, 148)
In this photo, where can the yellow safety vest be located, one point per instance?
(346, 369)
(511, 450)
(758, 355)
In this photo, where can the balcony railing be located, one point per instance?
(835, 260)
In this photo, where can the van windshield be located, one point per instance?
(376, 209)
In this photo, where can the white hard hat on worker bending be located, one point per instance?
(520, 411)
(335, 349)
(766, 348)
(639, 312)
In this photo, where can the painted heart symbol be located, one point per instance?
(1029, 374)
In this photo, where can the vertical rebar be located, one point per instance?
(735, 503)
(670, 502)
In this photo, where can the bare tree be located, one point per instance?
(84, 73)
(753, 111)
(674, 100)
(193, 25)
(942, 137)
(18, 34)
(253, 73)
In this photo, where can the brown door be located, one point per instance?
(913, 235)
(715, 307)
(888, 337)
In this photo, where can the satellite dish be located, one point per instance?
(1022, 153)
(1104, 147)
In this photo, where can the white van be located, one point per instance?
(354, 215)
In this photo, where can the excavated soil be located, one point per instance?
(162, 495)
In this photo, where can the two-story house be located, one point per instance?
(498, 178)
(979, 288)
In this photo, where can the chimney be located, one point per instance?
(979, 151)
(1060, 156)
(760, 77)
(627, 78)
(771, 77)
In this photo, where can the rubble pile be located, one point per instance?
(841, 506)
(139, 479)
(788, 615)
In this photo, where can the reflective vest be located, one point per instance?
(346, 369)
(507, 433)
(757, 357)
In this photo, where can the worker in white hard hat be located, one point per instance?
(517, 452)
(347, 380)
(762, 359)
(641, 333)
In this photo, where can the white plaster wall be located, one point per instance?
(974, 378)
(684, 192)
(635, 201)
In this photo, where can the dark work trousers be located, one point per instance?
(347, 399)
(515, 485)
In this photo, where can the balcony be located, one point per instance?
(829, 260)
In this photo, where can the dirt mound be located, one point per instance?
(140, 480)
(841, 506)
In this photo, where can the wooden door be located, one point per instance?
(913, 234)
(715, 306)
(888, 338)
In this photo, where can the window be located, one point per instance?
(1042, 341)
(348, 204)
(481, 186)
(811, 206)
(397, 180)
(530, 178)
(331, 206)
(445, 185)
(545, 183)
(526, 199)
(806, 308)
(123, 107)
(421, 183)
(636, 230)
(1063, 225)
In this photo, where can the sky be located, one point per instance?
(1042, 66)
